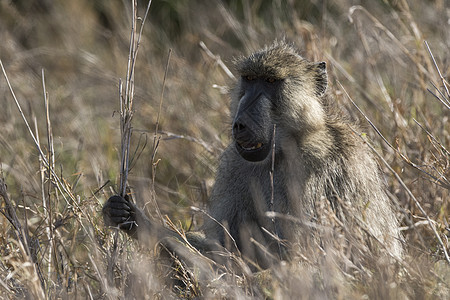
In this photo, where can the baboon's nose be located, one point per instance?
(238, 128)
(240, 131)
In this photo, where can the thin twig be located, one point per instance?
(272, 188)
(162, 91)
(439, 91)
(197, 209)
(157, 138)
(46, 197)
(434, 139)
(171, 135)
(442, 100)
(217, 59)
(138, 150)
(439, 72)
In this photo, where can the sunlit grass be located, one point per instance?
(376, 51)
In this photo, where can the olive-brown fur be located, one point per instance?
(315, 156)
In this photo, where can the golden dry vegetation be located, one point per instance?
(53, 243)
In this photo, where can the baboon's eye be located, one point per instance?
(249, 77)
(271, 79)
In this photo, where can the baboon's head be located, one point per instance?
(276, 86)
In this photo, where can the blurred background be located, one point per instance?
(375, 49)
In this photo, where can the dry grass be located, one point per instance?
(62, 167)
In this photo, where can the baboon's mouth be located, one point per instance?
(252, 151)
(247, 146)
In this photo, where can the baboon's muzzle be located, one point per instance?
(252, 125)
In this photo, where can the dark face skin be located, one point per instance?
(252, 125)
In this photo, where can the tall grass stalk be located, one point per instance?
(126, 97)
(126, 115)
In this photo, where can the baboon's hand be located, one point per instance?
(120, 212)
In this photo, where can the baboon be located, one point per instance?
(292, 152)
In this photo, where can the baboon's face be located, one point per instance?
(252, 124)
(276, 86)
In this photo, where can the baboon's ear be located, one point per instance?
(321, 77)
